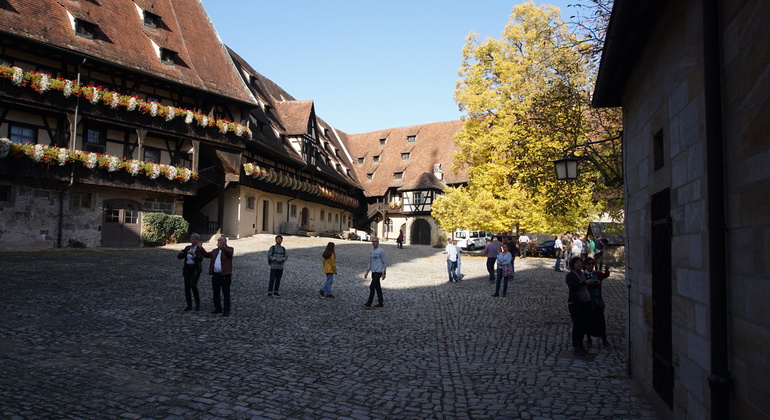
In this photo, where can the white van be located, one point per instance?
(472, 239)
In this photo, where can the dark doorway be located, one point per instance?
(265, 214)
(121, 227)
(420, 233)
(305, 217)
(662, 366)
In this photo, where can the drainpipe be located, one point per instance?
(719, 378)
(72, 174)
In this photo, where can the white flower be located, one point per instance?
(187, 174)
(189, 117)
(134, 167)
(39, 151)
(5, 147)
(63, 156)
(92, 160)
(68, 85)
(18, 76)
(155, 171)
(239, 130)
(171, 113)
(153, 109)
(132, 103)
(45, 83)
(115, 100)
(204, 121)
(94, 94)
(224, 128)
(114, 164)
(171, 173)
(248, 169)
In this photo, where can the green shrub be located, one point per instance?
(161, 229)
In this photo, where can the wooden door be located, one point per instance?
(121, 226)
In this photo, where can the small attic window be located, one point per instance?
(398, 175)
(151, 20)
(383, 141)
(405, 156)
(370, 176)
(361, 161)
(411, 139)
(168, 56)
(376, 159)
(85, 29)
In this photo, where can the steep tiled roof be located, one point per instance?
(294, 116)
(426, 181)
(124, 40)
(434, 144)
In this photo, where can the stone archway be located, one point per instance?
(420, 233)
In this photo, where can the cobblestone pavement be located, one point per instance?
(101, 334)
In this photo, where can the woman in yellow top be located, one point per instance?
(330, 268)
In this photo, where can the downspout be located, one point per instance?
(719, 378)
(72, 174)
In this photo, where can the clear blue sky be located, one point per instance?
(367, 65)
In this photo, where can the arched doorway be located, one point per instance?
(304, 217)
(121, 227)
(420, 234)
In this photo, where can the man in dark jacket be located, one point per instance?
(221, 270)
(192, 255)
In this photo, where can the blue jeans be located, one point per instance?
(451, 268)
(327, 286)
(275, 280)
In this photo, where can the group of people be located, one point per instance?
(498, 253)
(568, 245)
(586, 303)
(221, 269)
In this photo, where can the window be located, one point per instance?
(151, 20)
(6, 62)
(398, 175)
(250, 203)
(360, 161)
(322, 215)
(167, 56)
(95, 141)
(389, 225)
(151, 155)
(369, 176)
(185, 159)
(411, 139)
(336, 218)
(279, 207)
(329, 217)
(112, 215)
(418, 198)
(383, 141)
(405, 156)
(130, 216)
(294, 210)
(85, 29)
(22, 134)
(152, 99)
(5, 193)
(81, 200)
(376, 159)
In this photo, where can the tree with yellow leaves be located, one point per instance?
(526, 99)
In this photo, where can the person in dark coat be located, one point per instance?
(192, 255)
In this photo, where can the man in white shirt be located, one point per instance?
(558, 249)
(577, 247)
(523, 245)
(451, 261)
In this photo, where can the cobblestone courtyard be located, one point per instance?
(102, 334)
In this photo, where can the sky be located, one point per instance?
(367, 66)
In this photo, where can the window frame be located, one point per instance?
(33, 130)
(81, 200)
(95, 147)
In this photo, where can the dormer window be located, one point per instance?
(151, 20)
(383, 141)
(361, 161)
(370, 176)
(411, 139)
(405, 156)
(85, 29)
(168, 56)
(376, 159)
(398, 175)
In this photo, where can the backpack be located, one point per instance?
(269, 253)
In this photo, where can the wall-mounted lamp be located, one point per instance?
(567, 167)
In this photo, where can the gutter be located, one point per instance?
(719, 378)
(60, 229)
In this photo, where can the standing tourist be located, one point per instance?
(523, 245)
(504, 270)
(597, 323)
(601, 244)
(377, 266)
(400, 239)
(566, 241)
(577, 248)
(491, 250)
(579, 304)
(221, 270)
(558, 250)
(192, 255)
(330, 269)
(276, 257)
(451, 261)
(459, 260)
(590, 246)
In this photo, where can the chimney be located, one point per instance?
(437, 171)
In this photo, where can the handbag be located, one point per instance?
(507, 270)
